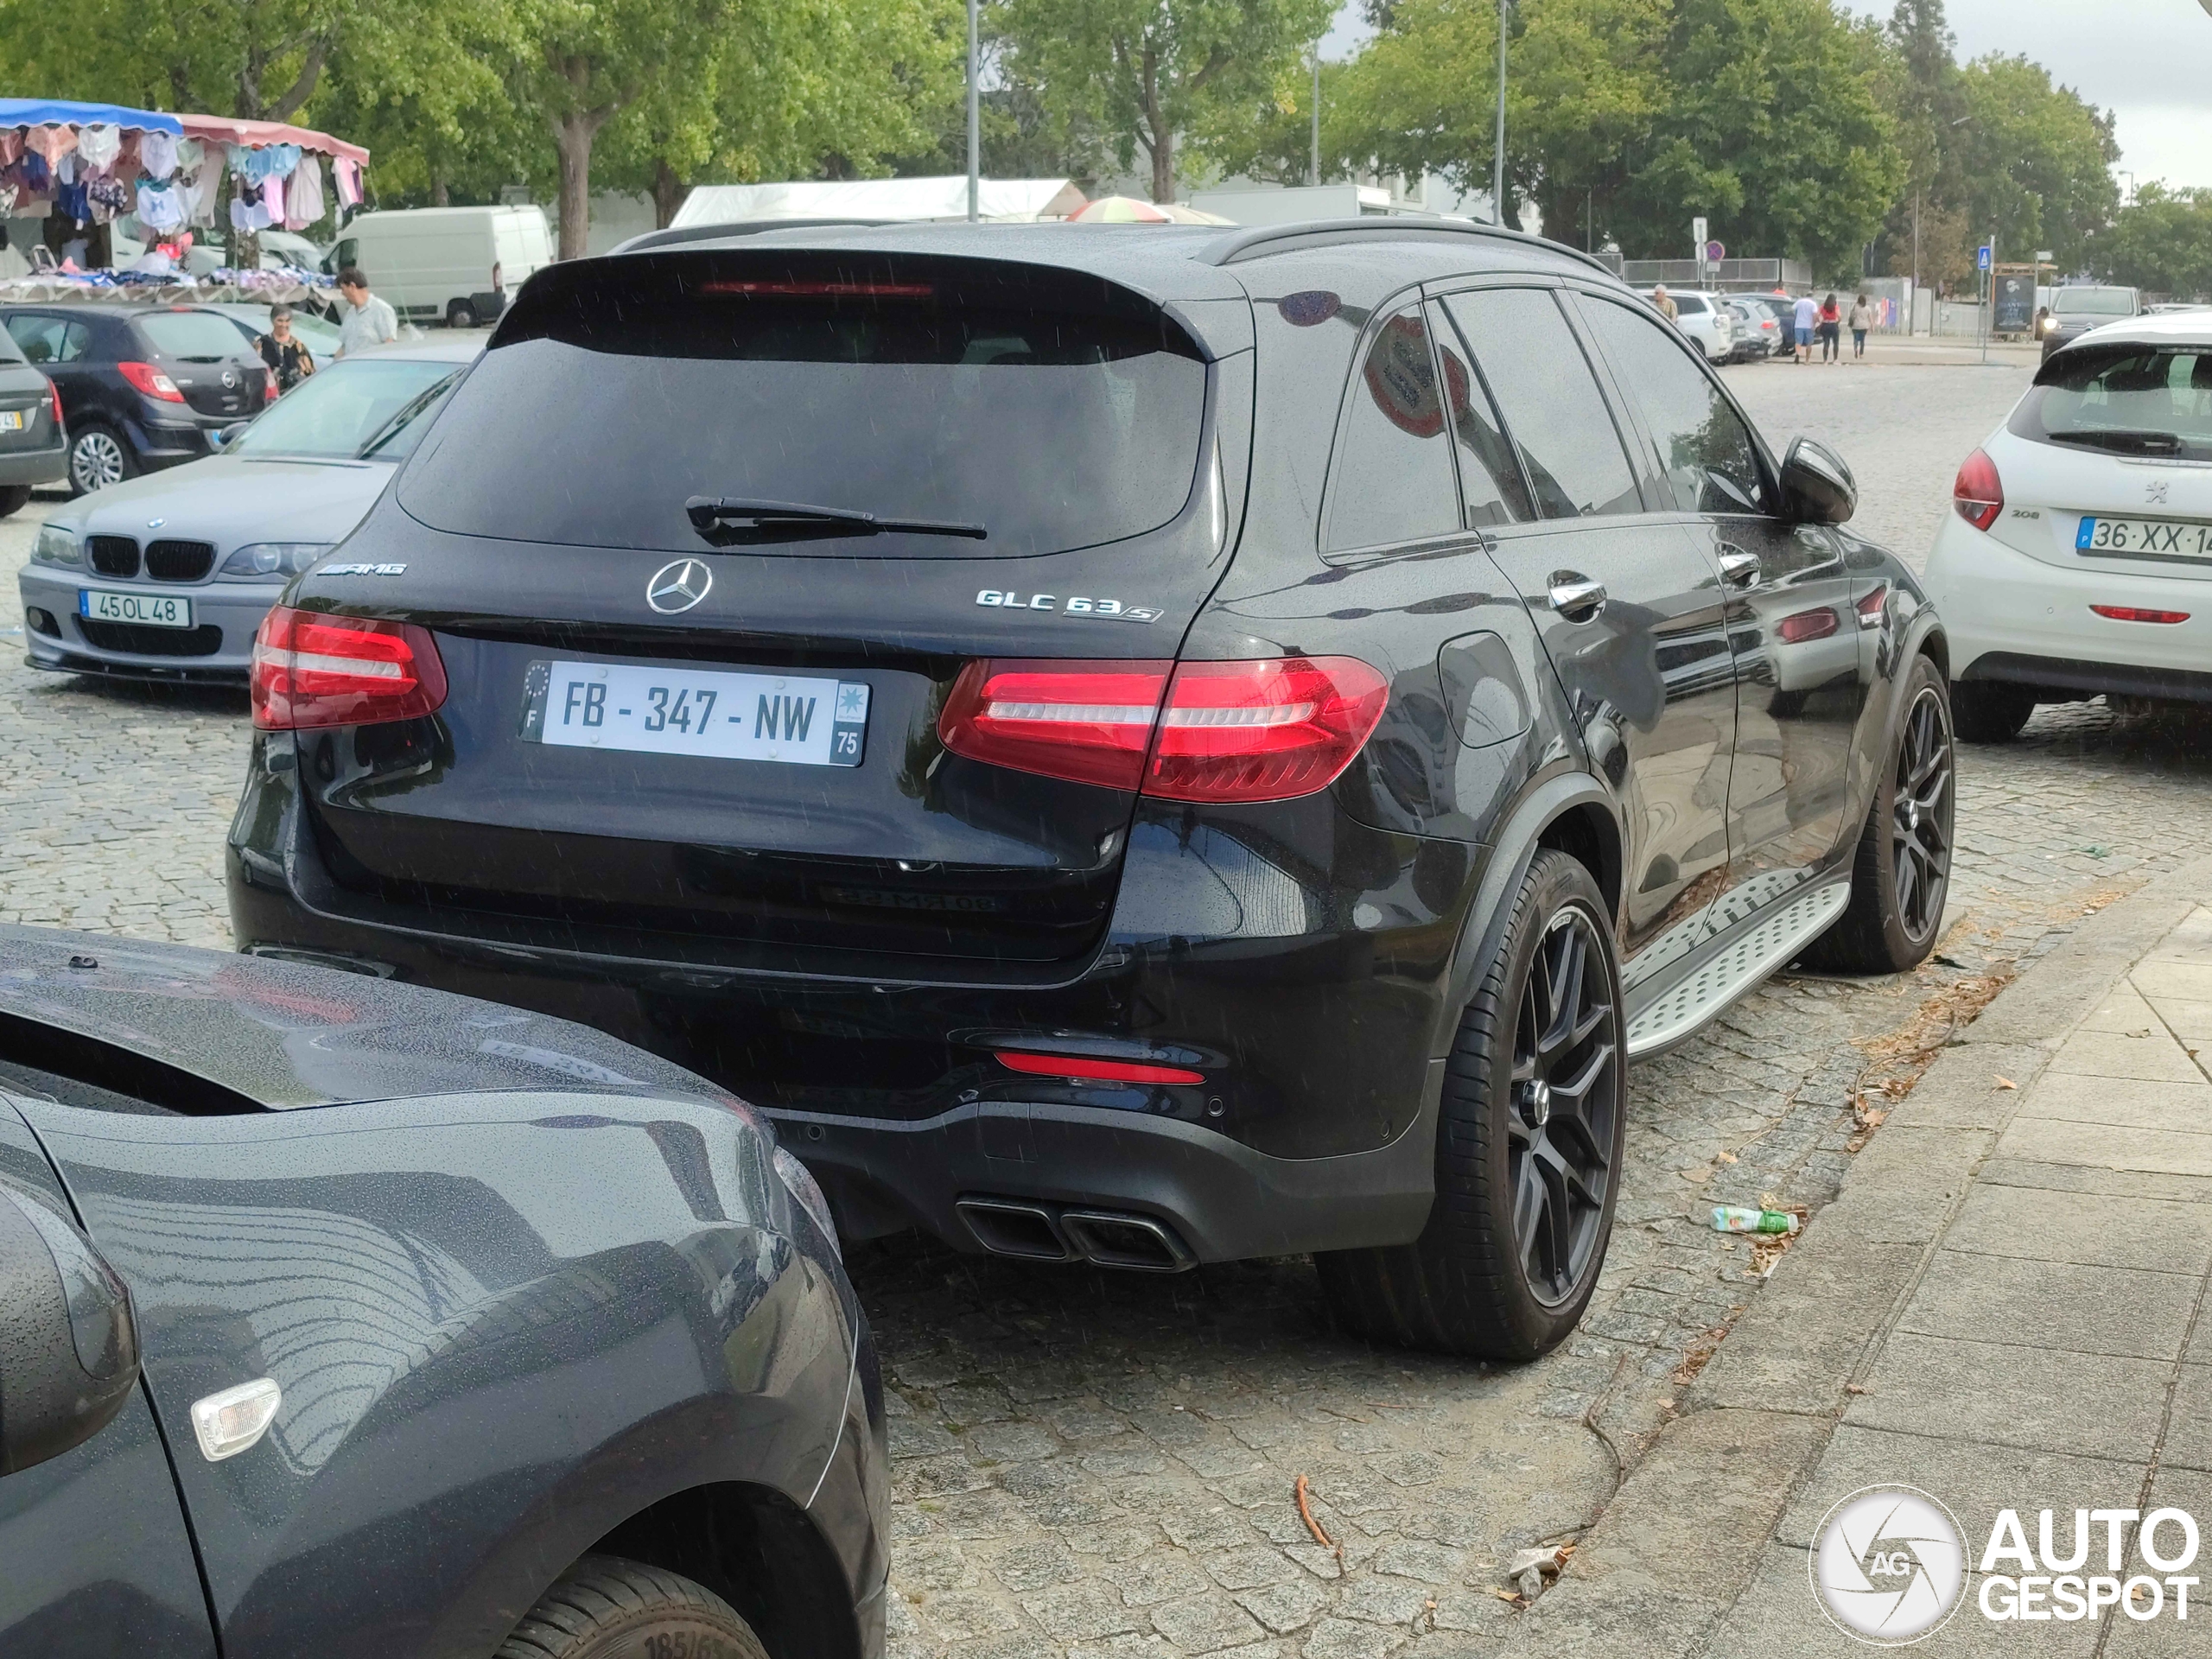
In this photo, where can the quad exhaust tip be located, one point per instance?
(1105, 1238)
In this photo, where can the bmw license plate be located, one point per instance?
(147, 610)
(2143, 539)
(670, 709)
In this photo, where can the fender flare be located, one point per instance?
(1520, 835)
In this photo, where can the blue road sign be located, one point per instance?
(1981, 256)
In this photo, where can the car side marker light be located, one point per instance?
(235, 1420)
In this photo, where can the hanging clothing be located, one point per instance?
(11, 145)
(249, 212)
(191, 155)
(125, 164)
(272, 201)
(348, 173)
(158, 153)
(303, 195)
(200, 190)
(51, 143)
(99, 144)
(238, 158)
(281, 161)
(70, 201)
(107, 197)
(161, 206)
(36, 176)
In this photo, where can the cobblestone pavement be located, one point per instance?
(1099, 1465)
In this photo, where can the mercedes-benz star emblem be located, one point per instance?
(678, 586)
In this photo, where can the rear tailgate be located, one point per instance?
(636, 750)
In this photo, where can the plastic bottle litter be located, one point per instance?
(1734, 1218)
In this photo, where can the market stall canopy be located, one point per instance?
(260, 135)
(66, 113)
(1128, 210)
(942, 198)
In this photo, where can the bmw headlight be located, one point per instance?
(55, 546)
(271, 561)
(807, 1192)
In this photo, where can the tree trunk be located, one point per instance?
(668, 193)
(1163, 167)
(438, 195)
(572, 138)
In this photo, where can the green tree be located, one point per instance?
(2035, 162)
(1147, 72)
(2161, 242)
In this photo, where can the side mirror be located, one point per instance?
(226, 435)
(1817, 488)
(69, 1344)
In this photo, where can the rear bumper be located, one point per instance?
(1313, 1130)
(35, 466)
(2013, 618)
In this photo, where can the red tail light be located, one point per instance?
(1225, 732)
(1977, 493)
(54, 397)
(1067, 1065)
(1807, 625)
(151, 381)
(2136, 614)
(313, 669)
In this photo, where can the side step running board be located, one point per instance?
(1679, 1011)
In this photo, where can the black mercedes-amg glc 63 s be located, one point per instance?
(1148, 748)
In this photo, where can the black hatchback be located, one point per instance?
(1144, 748)
(144, 386)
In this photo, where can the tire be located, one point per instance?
(1491, 1275)
(1892, 921)
(98, 456)
(461, 315)
(1990, 711)
(12, 499)
(605, 1607)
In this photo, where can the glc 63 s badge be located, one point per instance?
(1112, 610)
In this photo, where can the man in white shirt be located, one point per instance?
(369, 321)
(1806, 313)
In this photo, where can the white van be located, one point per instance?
(455, 265)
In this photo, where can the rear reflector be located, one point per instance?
(2136, 614)
(1067, 1065)
(1208, 732)
(313, 669)
(1807, 625)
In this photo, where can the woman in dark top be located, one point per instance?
(285, 353)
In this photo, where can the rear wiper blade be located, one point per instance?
(725, 518)
(2134, 443)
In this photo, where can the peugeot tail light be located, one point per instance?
(1977, 493)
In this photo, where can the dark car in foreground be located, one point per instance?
(34, 444)
(1147, 748)
(346, 1318)
(167, 577)
(144, 386)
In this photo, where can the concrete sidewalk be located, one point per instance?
(2005, 1305)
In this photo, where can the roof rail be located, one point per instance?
(1264, 239)
(676, 235)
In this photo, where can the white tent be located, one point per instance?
(946, 198)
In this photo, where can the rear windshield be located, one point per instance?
(1055, 413)
(375, 408)
(194, 336)
(2093, 301)
(2131, 400)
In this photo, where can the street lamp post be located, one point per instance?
(975, 123)
(1316, 177)
(1497, 160)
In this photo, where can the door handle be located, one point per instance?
(1739, 569)
(1575, 596)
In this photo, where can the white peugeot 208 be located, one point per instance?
(2079, 559)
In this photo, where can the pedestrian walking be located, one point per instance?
(1831, 330)
(1663, 303)
(369, 321)
(285, 353)
(1862, 319)
(1805, 315)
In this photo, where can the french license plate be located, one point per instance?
(2143, 539)
(11, 420)
(147, 610)
(667, 709)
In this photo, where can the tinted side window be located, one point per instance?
(1705, 449)
(48, 339)
(1689, 305)
(1491, 488)
(1554, 411)
(1392, 477)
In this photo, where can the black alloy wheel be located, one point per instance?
(1920, 816)
(1566, 1050)
(1901, 874)
(1530, 1136)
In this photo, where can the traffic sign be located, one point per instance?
(1697, 231)
(1981, 257)
(1714, 253)
(2043, 256)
